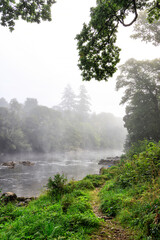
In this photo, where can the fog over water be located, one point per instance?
(30, 180)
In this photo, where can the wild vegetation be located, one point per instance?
(131, 195)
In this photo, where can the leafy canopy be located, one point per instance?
(30, 11)
(98, 53)
(145, 31)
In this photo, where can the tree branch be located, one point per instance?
(135, 18)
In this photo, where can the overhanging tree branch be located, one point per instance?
(135, 17)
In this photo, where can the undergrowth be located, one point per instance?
(132, 195)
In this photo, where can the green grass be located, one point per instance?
(68, 216)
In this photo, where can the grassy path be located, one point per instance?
(109, 229)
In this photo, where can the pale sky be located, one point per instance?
(38, 61)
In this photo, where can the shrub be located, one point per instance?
(69, 188)
(109, 173)
(127, 176)
(137, 148)
(144, 167)
(56, 186)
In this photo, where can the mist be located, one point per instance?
(69, 126)
(36, 142)
(30, 181)
(45, 121)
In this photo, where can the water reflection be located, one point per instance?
(29, 180)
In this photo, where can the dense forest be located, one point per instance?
(69, 126)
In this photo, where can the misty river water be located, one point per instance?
(29, 181)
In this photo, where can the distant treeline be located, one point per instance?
(30, 127)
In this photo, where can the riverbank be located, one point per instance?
(126, 194)
(26, 175)
(65, 213)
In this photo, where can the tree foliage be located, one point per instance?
(145, 31)
(30, 11)
(30, 104)
(68, 102)
(3, 103)
(98, 53)
(12, 137)
(83, 102)
(42, 129)
(141, 80)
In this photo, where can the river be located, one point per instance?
(29, 181)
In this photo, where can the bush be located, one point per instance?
(144, 167)
(137, 148)
(69, 187)
(127, 176)
(56, 186)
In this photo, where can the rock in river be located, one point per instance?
(9, 164)
(8, 197)
(109, 161)
(26, 163)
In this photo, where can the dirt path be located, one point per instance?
(109, 229)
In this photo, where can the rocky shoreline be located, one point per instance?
(12, 197)
(23, 201)
(109, 161)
